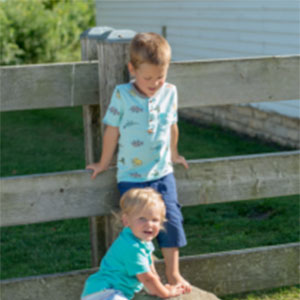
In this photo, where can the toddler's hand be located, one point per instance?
(96, 168)
(175, 290)
(178, 159)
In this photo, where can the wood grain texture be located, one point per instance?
(199, 83)
(221, 273)
(47, 197)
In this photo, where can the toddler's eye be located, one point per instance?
(147, 78)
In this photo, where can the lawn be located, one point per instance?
(51, 140)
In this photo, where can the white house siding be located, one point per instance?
(215, 29)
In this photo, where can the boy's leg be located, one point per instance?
(173, 237)
(171, 258)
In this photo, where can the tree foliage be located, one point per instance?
(35, 31)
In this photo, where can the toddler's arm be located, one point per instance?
(155, 287)
(176, 158)
(153, 269)
(109, 144)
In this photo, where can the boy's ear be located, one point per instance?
(131, 69)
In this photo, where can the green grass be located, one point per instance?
(285, 293)
(45, 248)
(43, 141)
(238, 225)
(213, 141)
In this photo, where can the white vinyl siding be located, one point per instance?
(214, 29)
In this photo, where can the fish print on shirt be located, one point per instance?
(122, 160)
(132, 93)
(118, 95)
(136, 109)
(157, 148)
(137, 143)
(129, 124)
(155, 173)
(114, 111)
(137, 162)
(135, 175)
(163, 119)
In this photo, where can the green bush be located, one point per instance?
(35, 31)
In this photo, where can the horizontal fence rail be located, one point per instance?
(72, 194)
(49, 86)
(199, 83)
(221, 273)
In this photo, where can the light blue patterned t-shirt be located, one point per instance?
(144, 124)
(127, 257)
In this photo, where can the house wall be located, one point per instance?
(215, 29)
(211, 29)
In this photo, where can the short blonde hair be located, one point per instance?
(149, 48)
(137, 199)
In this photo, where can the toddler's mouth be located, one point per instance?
(148, 232)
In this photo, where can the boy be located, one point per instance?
(128, 266)
(142, 120)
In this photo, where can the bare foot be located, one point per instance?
(179, 280)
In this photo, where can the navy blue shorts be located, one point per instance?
(173, 235)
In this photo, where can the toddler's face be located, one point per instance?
(149, 78)
(146, 224)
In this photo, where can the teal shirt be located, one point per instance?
(127, 257)
(144, 124)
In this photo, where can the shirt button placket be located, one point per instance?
(151, 116)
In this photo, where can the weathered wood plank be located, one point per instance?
(221, 273)
(48, 85)
(239, 178)
(199, 83)
(40, 198)
(46, 197)
(236, 81)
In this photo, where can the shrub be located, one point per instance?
(35, 31)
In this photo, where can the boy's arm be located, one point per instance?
(176, 158)
(109, 144)
(155, 287)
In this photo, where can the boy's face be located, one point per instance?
(149, 78)
(146, 224)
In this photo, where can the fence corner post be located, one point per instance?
(110, 47)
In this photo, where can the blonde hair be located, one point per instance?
(138, 199)
(149, 48)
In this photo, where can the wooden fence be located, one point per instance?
(71, 194)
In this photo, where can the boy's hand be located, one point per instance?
(97, 168)
(178, 159)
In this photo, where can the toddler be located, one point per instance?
(128, 265)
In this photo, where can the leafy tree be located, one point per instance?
(35, 31)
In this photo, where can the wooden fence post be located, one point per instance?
(110, 47)
(113, 56)
(92, 137)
